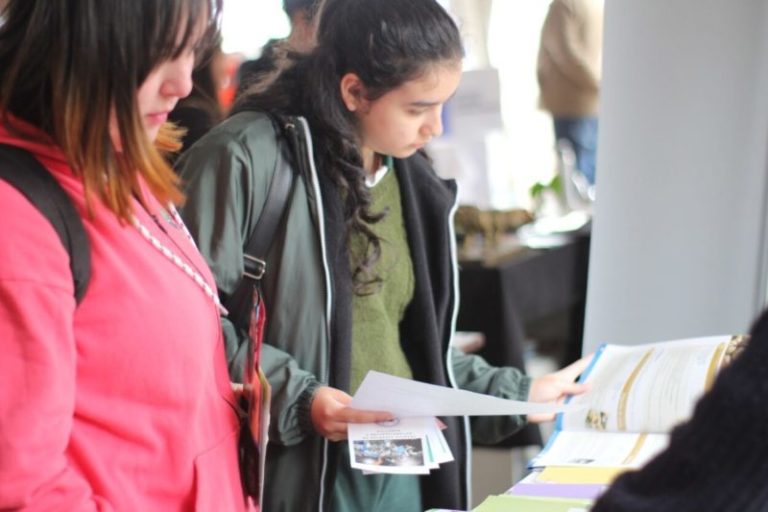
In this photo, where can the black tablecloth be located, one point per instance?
(502, 299)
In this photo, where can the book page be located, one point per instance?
(600, 449)
(646, 388)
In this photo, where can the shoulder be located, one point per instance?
(759, 332)
(242, 145)
(30, 251)
(245, 131)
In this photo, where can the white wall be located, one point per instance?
(247, 25)
(678, 244)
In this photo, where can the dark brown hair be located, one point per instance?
(69, 66)
(386, 43)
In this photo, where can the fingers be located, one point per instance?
(541, 418)
(349, 415)
(551, 388)
(575, 369)
(335, 428)
(331, 415)
(572, 388)
(563, 389)
(337, 431)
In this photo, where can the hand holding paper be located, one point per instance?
(413, 443)
(331, 413)
(404, 397)
(555, 387)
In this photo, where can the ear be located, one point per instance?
(352, 92)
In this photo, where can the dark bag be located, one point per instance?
(22, 170)
(246, 306)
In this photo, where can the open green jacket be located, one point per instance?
(227, 175)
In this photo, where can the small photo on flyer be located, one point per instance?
(390, 453)
(388, 448)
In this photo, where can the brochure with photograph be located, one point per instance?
(402, 446)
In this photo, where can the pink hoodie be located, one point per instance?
(123, 403)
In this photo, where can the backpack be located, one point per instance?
(22, 170)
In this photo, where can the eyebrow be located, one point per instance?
(430, 103)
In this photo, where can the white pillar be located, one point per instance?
(679, 234)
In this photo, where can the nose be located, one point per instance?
(178, 81)
(434, 124)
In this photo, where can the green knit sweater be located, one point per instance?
(376, 317)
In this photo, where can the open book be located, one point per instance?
(638, 394)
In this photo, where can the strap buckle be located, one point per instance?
(258, 267)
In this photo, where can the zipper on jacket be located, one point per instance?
(328, 292)
(448, 359)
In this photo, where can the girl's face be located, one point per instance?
(164, 86)
(406, 118)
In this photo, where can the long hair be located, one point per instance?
(386, 43)
(69, 66)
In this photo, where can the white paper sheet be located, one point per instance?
(439, 451)
(404, 398)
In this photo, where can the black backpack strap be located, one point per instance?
(275, 206)
(288, 164)
(22, 170)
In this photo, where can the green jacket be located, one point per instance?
(227, 175)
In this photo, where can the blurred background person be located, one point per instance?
(301, 14)
(569, 73)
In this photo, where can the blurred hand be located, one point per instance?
(330, 414)
(555, 387)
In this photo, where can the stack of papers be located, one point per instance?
(551, 483)
(401, 446)
(536, 493)
(505, 503)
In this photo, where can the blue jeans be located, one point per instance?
(581, 132)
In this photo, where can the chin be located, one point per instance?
(408, 152)
(152, 133)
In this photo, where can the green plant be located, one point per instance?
(555, 185)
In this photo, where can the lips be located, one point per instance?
(156, 118)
